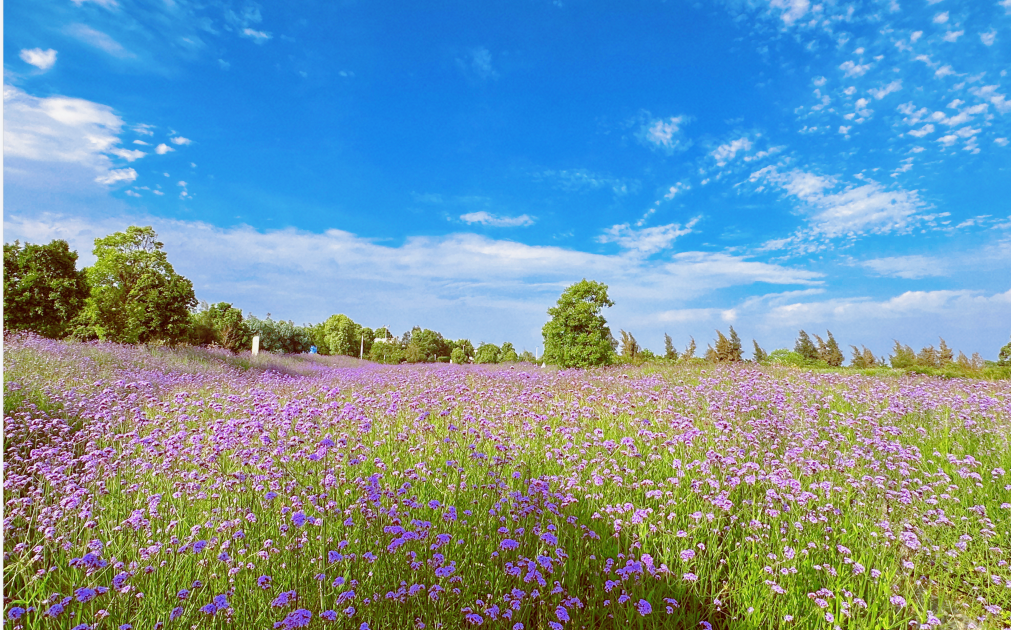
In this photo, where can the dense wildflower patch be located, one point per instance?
(147, 488)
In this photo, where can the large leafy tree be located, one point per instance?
(342, 335)
(487, 353)
(221, 324)
(136, 295)
(577, 334)
(43, 290)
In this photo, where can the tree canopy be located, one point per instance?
(577, 334)
(136, 295)
(43, 290)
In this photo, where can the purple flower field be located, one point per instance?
(158, 488)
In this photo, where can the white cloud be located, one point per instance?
(99, 40)
(162, 149)
(108, 4)
(117, 176)
(943, 71)
(919, 133)
(645, 241)
(477, 63)
(181, 140)
(988, 38)
(486, 218)
(908, 267)
(181, 183)
(1001, 141)
(851, 69)
(676, 189)
(941, 18)
(952, 36)
(882, 92)
(127, 154)
(664, 134)
(850, 213)
(41, 59)
(790, 10)
(726, 152)
(142, 143)
(133, 193)
(257, 36)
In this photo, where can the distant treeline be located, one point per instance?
(133, 295)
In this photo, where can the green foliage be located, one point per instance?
(280, 337)
(829, 352)
(727, 350)
(805, 347)
(221, 325)
(457, 356)
(429, 346)
(669, 351)
(136, 295)
(761, 356)
(342, 335)
(577, 334)
(508, 353)
(1004, 358)
(629, 346)
(43, 290)
(488, 353)
(527, 357)
(386, 351)
(689, 352)
(792, 358)
(465, 346)
(863, 359)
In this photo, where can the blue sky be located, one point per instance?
(771, 165)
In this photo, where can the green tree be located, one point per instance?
(689, 350)
(761, 356)
(280, 337)
(805, 347)
(136, 295)
(902, 356)
(222, 325)
(43, 290)
(577, 334)
(457, 356)
(629, 346)
(430, 345)
(829, 352)
(465, 346)
(387, 351)
(487, 353)
(508, 353)
(727, 350)
(863, 358)
(527, 357)
(669, 351)
(342, 335)
(944, 354)
(1004, 358)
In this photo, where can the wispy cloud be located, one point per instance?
(116, 176)
(181, 140)
(645, 241)
(259, 37)
(99, 40)
(493, 220)
(909, 267)
(477, 62)
(41, 59)
(583, 179)
(663, 134)
(162, 149)
(726, 152)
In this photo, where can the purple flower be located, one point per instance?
(284, 599)
(54, 610)
(509, 544)
(209, 609)
(119, 581)
(296, 619)
(183, 594)
(329, 615)
(199, 546)
(263, 581)
(15, 613)
(85, 594)
(562, 614)
(221, 601)
(176, 613)
(897, 601)
(687, 555)
(643, 607)
(298, 518)
(474, 618)
(350, 611)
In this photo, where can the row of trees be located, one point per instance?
(132, 294)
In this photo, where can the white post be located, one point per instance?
(361, 351)
(256, 345)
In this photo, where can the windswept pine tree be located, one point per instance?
(828, 351)
(689, 350)
(863, 358)
(629, 346)
(670, 352)
(727, 350)
(805, 347)
(761, 356)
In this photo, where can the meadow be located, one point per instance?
(150, 487)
